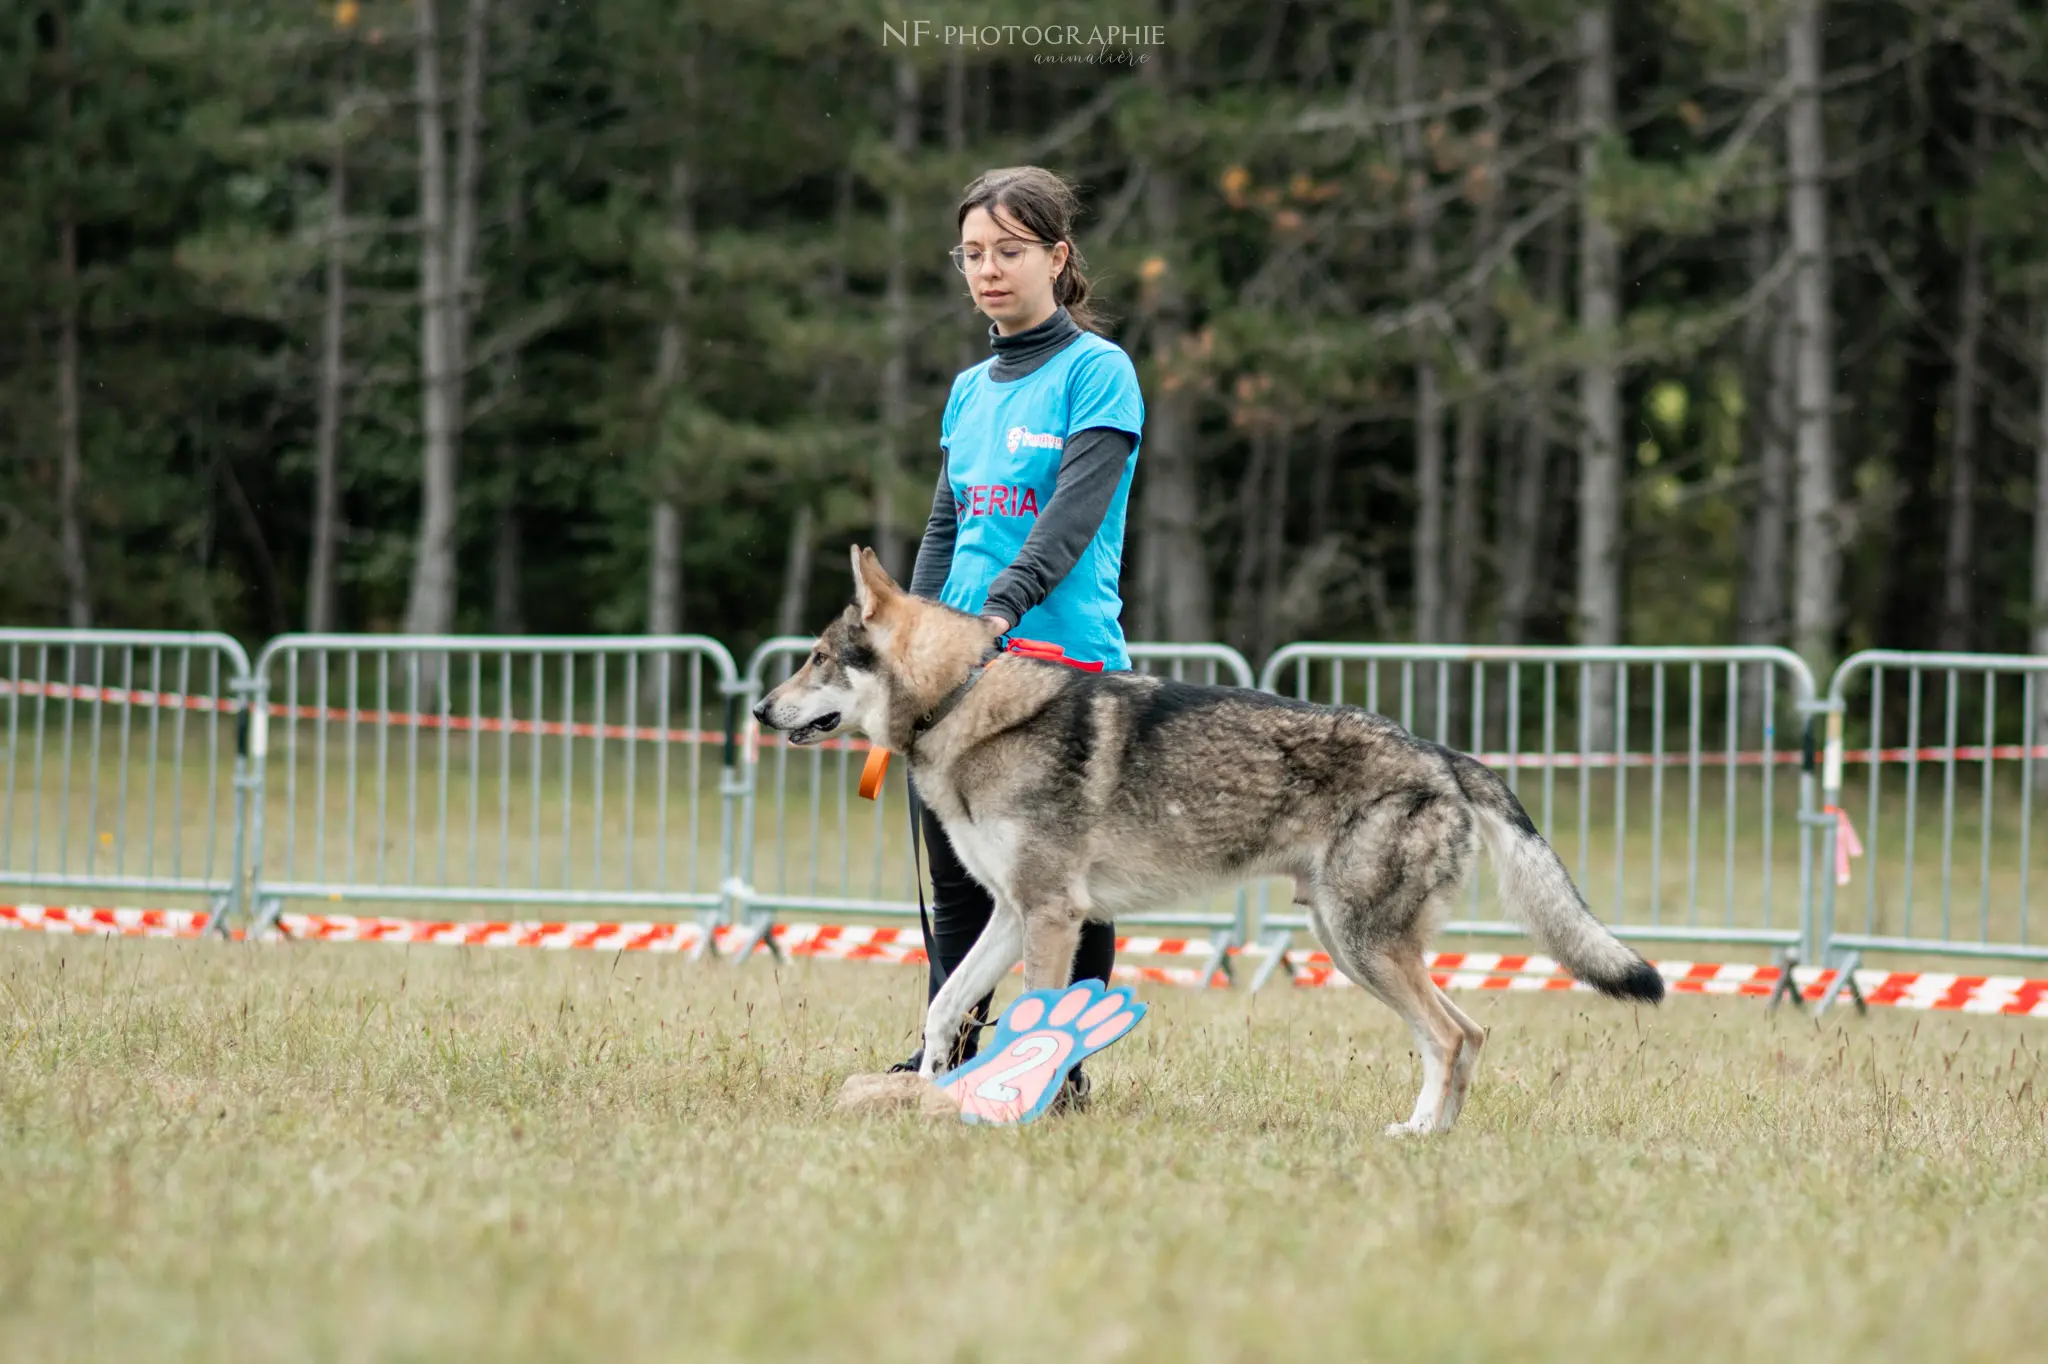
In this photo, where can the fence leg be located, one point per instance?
(1845, 979)
(269, 910)
(252, 730)
(1276, 944)
(735, 789)
(1220, 947)
(759, 928)
(1787, 986)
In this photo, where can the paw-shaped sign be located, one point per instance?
(1042, 1035)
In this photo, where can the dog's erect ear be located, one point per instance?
(872, 585)
(862, 598)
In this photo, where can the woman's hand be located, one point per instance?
(1002, 626)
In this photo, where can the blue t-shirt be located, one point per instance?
(1004, 442)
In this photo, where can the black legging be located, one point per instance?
(961, 908)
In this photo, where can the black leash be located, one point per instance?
(924, 918)
(970, 1024)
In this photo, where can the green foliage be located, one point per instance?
(198, 161)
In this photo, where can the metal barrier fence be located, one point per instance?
(1949, 873)
(833, 857)
(126, 766)
(582, 772)
(558, 771)
(1685, 828)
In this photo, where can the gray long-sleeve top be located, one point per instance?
(1091, 468)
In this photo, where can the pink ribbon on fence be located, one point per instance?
(1847, 845)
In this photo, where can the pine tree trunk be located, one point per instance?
(665, 570)
(665, 558)
(1817, 565)
(1766, 442)
(967, 347)
(1322, 482)
(70, 441)
(70, 454)
(1522, 539)
(1468, 466)
(1251, 500)
(889, 451)
(1274, 550)
(508, 595)
(1956, 620)
(1175, 601)
(1523, 580)
(1600, 467)
(430, 607)
(1767, 352)
(2039, 596)
(1461, 577)
(327, 422)
(796, 573)
(463, 209)
(1767, 439)
(665, 529)
(1429, 422)
(447, 244)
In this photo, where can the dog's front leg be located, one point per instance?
(998, 949)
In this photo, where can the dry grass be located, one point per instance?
(223, 1152)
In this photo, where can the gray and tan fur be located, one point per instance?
(1073, 795)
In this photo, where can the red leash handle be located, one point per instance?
(1049, 653)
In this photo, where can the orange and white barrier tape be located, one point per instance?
(1934, 990)
(843, 942)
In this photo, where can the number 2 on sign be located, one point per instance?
(996, 1088)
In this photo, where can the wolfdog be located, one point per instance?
(1072, 795)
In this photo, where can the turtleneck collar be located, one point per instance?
(1023, 352)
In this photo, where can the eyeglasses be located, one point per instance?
(968, 259)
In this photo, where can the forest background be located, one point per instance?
(1681, 322)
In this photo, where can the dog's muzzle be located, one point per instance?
(800, 734)
(810, 730)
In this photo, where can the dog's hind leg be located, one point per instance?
(1399, 977)
(1395, 974)
(1380, 893)
(1052, 931)
(999, 948)
(1468, 1057)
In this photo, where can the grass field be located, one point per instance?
(212, 1151)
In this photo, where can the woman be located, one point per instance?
(1027, 526)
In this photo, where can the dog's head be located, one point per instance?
(873, 666)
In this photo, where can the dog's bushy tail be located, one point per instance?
(1540, 894)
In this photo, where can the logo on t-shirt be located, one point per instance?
(995, 500)
(1020, 437)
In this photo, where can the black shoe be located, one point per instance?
(916, 1061)
(1074, 1094)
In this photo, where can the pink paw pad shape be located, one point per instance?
(1042, 1036)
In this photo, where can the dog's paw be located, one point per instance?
(1042, 1035)
(1411, 1128)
